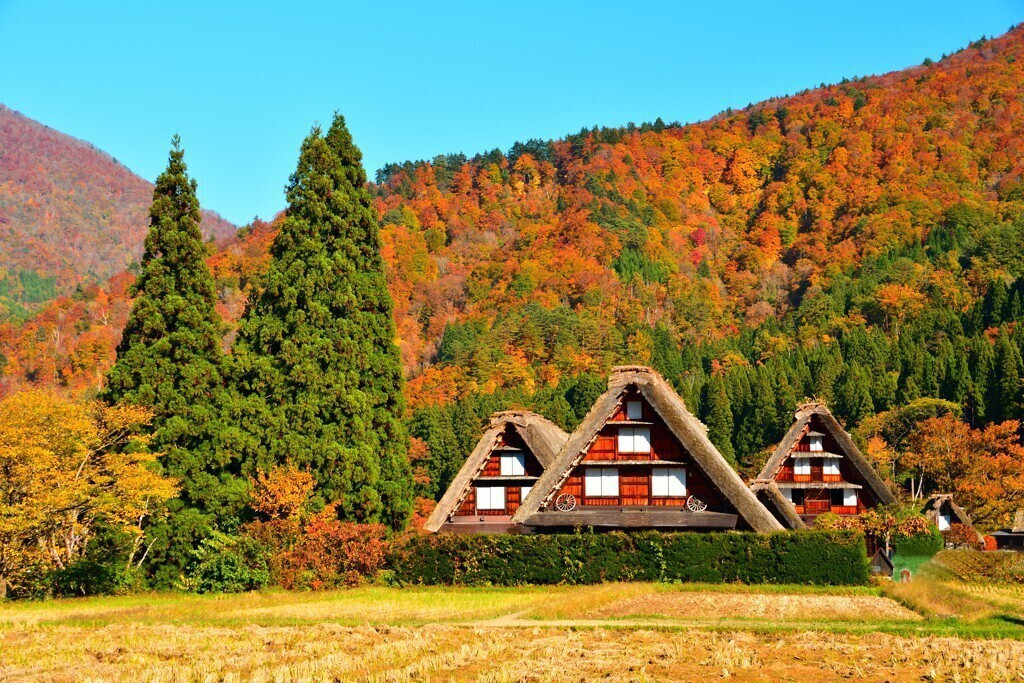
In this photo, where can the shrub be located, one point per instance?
(225, 564)
(961, 536)
(321, 552)
(921, 543)
(808, 557)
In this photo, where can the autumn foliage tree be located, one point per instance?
(65, 468)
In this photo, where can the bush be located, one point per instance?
(961, 536)
(924, 544)
(225, 564)
(806, 557)
(322, 552)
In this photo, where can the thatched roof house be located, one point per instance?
(510, 456)
(640, 459)
(818, 468)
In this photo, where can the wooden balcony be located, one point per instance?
(814, 507)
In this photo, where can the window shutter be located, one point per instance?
(659, 481)
(610, 483)
(677, 482)
(513, 465)
(850, 497)
(634, 410)
(592, 481)
(524, 491)
(625, 439)
(641, 439)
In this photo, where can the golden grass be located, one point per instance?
(158, 653)
(618, 632)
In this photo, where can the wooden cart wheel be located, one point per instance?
(695, 504)
(565, 502)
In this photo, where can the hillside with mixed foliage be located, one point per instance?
(859, 243)
(69, 214)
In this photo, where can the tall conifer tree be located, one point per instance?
(718, 416)
(316, 366)
(170, 358)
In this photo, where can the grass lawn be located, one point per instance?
(929, 629)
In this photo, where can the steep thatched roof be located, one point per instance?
(804, 415)
(770, 495)
(541, 436)
(686, 428)
(933, 506)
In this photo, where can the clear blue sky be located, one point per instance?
(242, 82)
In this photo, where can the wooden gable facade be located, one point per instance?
(641, 460)
(508, 474)
(818, 468)
(498, 475)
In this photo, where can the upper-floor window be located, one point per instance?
(668, 481)
(802, 466)
(634, 439)
(634, 410)
(513, 464)
(601, 482)
(816, 443)
(490, 497)
(830, 466)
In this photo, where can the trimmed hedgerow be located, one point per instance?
(805, 557)
(919, 545)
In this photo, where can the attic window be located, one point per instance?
(513, 465)
(816, 442)
(634, 410)
(634, 439)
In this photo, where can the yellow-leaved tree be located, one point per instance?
(65, 466)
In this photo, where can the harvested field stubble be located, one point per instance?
(329, 652)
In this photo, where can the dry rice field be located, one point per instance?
(616, 632)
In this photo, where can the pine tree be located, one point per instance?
(170, 358)
(718, 416)
(853, 395)
(318, 373)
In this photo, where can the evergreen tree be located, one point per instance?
(718, 417)
(853, 396)
(316, 366)
(170, 358)
(1004, 392)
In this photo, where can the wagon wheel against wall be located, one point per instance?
(695, 504)
(565, 502)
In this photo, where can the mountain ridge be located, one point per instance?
(69, 211)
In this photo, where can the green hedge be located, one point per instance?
(923, 545)
(807, 557)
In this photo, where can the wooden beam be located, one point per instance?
(645, 518)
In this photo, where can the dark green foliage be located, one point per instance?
(920, 545)
(801, 557)
(717, 415)
(104, 570)
(170, 358)
(318, 374)
(225, 564)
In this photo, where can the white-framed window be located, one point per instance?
(944, 521)
(850, 497)
(513, 464)
(634, 439)
(802, 466)
(668, 481)
(634, 410)
(490, 497)
(831, 466)
(816, 444)
(524, 491)
(601, 482)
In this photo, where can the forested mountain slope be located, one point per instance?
(860, 242)
(69, 213)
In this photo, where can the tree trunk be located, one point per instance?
(3, 588)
